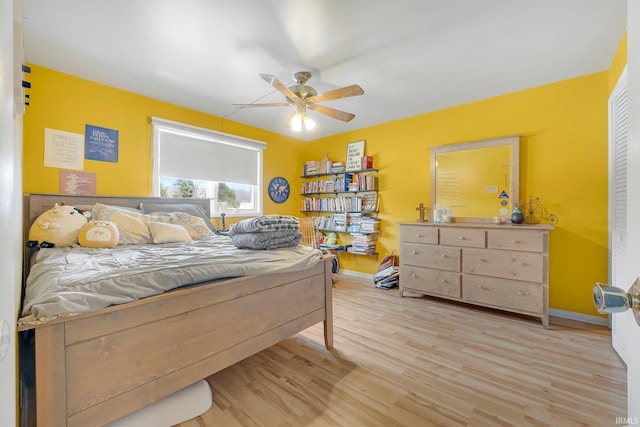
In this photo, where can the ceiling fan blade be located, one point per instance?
(353, 90)
(275, 82)
(332, 112)
(272, 104)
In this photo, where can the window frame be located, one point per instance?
(160, 126)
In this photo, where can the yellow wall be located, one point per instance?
(563, 163)
(618, 63)
(563, 159)
(63, 102)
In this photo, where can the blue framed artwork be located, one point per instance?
(100, 144)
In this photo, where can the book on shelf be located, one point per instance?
(366, 162)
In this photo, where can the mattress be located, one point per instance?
(73, 280)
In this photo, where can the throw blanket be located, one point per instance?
(265, 223)
(266, 232)
(266, 240)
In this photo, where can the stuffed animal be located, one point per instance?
(331, 239)
(58, 226)
(99, 234)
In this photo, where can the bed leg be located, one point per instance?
(328, 306)
(51, 403)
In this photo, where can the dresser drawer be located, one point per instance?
(460, 236)
(516, 240)
(419, 234)
(431, 256)
(510, 294)
(525, 266)
(436, 282)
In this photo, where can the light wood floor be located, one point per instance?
(424, 362)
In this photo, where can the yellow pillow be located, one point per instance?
(99, 234)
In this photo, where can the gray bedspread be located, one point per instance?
(73, 280)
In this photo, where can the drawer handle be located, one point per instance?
(444, 281)
(484, 288)
(525, 294)
(514, 241)
(414, 252)
(443, 255)
(418, 235)
(461, 238)
(413, 275)
(482, 259)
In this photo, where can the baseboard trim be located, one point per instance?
(597, 320)
(356, 274)
(554, 312)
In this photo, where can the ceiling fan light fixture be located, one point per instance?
(309, 123)
(296, 122)
(301, 121)
(303, 97)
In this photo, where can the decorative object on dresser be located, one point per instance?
(516, 216)
(499, 266)
(422, 209)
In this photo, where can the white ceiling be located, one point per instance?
(409, 56)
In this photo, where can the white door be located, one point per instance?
(621, 323)
(10, 210)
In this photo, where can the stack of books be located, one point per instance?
(337, 167)
(363, 244)
(311, 167)
(387, 278)
(369, 224)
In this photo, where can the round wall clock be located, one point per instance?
(279, 189)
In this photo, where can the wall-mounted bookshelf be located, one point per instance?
(345, 203)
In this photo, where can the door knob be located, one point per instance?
(610, 299)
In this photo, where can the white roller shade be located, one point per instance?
(189, 152)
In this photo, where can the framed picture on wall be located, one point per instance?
(355, 152)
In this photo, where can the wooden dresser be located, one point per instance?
(499, 266)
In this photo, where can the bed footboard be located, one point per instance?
(94, 368)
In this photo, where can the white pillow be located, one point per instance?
(163, 232)
(195, 226)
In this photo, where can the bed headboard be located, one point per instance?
(35, 204)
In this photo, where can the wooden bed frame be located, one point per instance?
(94, 368)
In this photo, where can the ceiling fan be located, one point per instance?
(302, 97)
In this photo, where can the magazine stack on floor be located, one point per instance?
(388, 275)
(387, 278)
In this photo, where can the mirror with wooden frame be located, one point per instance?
(476, 181)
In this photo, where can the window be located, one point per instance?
(189, 161)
